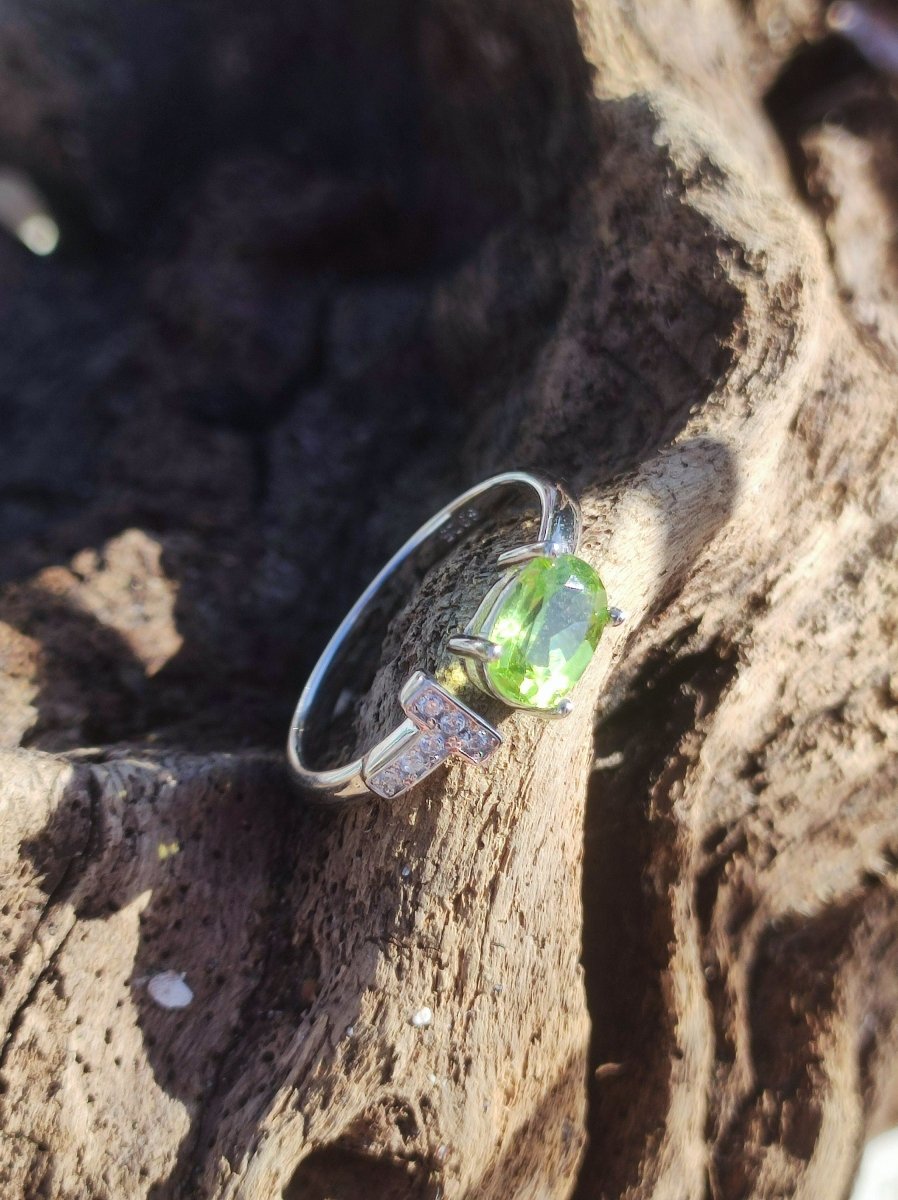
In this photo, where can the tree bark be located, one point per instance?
(318, 272)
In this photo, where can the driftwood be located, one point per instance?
(319, 270)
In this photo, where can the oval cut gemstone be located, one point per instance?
(548, 627)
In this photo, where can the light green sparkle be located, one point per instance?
(548, 627)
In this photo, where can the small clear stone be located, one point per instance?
(430, 705)
(432, 744)
(412, 763)
(475, 741)
(389, 781)
(452, 723)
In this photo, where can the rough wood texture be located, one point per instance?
(648, 246)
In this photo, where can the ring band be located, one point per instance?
(521, 645)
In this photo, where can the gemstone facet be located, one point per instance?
(432, 744)
(389, 782)
(547, 625)
(412, 764)
(431, 705)
(452, 723)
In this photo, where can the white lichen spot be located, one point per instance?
(422, 1018)
(169, 989)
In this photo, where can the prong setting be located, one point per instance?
(472, 646)
(523, 554)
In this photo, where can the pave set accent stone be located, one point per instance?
(474, 741)
(387, 781)
(451, 723)
(412, 764)
(547, 627)
(433, 745)
(431, 705)
(455, 727)
(445, 727)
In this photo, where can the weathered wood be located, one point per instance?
(658, 940)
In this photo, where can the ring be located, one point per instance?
(528, 643)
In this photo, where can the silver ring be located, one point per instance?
(526, 645)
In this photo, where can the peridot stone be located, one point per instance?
(548, 626)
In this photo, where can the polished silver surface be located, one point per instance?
(479, 648)
(404, 757)
(522, 554)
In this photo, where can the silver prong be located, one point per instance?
(618, 616)
(521, 554)
(481, 649)
(563, 708)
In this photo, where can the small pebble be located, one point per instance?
(422, 1018)
(170, 990)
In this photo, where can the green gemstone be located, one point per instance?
(548, 626)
